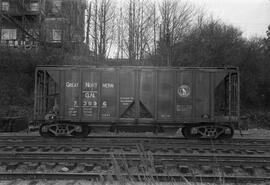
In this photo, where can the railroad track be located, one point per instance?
(153, 144)
(86, 166)
(160, 139)
(127, 139)
(238, 160)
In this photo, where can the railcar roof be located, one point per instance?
(136, 67)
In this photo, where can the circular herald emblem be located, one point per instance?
(184, 91)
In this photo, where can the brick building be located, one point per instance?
(28, 23)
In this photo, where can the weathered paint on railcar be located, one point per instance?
(138, 94)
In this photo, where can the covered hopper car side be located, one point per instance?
(73, 100)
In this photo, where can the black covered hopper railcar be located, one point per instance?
(73, 100)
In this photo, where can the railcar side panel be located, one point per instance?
(127, 93)
(202, 95)
(147, 95)
(90, 94)
(165, 95)
(109, 95)
(220, 94)
(70, 99)
(184, 95)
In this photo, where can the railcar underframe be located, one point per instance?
(73, 100)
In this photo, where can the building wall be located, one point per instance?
(46, 21)
(20, 22)
(65, 20)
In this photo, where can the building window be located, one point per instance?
(57, 35)
(34, 6)
(8, 34)
(56, 6)
(5, 6)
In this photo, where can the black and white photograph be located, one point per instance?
(134, 92)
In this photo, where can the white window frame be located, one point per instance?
(8, 34)
(34, 6)
(56, 35)
(5, 6)
(56, 6)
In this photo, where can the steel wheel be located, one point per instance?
(208, 132)
(62, 130)
(85, 130)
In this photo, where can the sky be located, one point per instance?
(252, 17)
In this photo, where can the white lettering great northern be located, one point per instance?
(72, 84)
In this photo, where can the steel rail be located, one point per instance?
(89, 157)
(138, 177)
(70, 146)
(31, 137)
(127, 139)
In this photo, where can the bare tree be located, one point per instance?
(102, 31)
(176, 18)
(132, 31)
(107, 26)
(155, 20)
(88, 23)
(140, 26)
(131, 26)
(95, 30)
(121, 30)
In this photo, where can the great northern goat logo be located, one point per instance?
(184, 91)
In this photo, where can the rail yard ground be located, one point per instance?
(26, 158)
